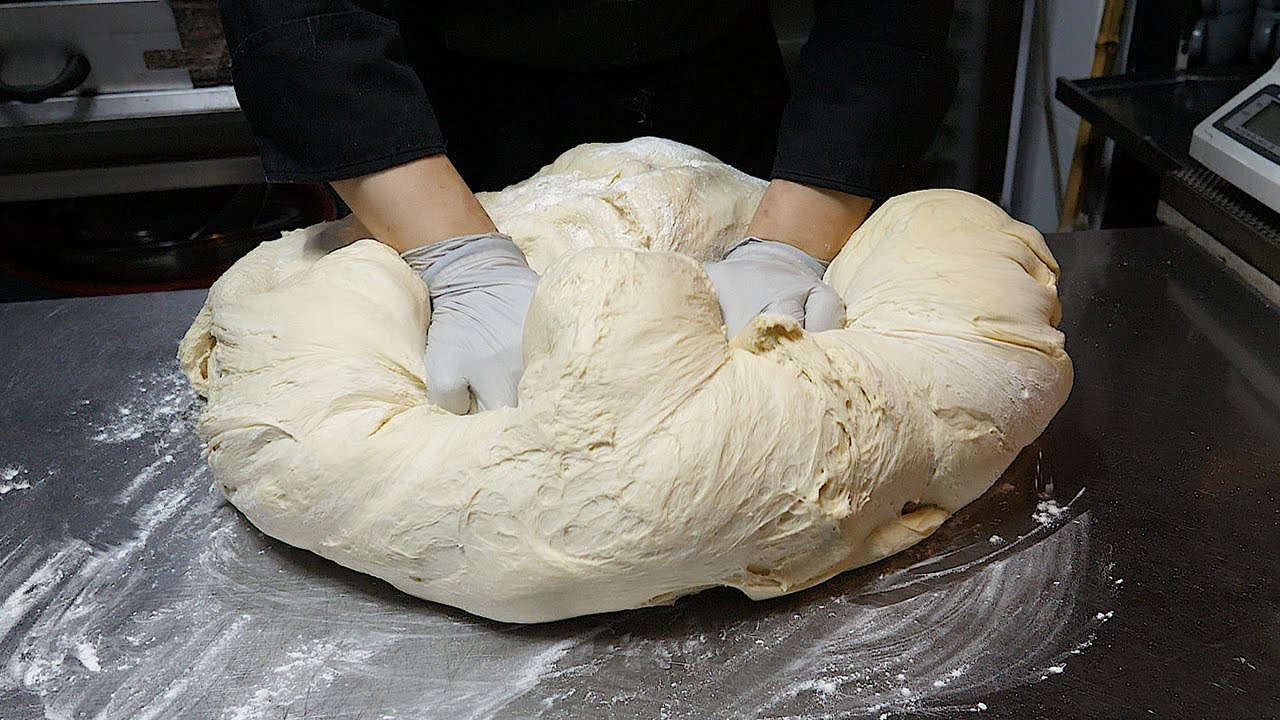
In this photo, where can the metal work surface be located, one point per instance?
(1125, 565)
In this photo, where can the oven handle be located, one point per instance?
(72, 75)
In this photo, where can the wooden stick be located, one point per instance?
(1105, 49)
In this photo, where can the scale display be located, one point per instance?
(1240, 141)
(1256, 122)
(1266, 124)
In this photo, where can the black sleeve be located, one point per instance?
(871, 89)
(326, 88)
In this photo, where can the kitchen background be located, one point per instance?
(126, 166)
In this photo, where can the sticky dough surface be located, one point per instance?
(649, 457)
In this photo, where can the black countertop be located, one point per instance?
(1153, 116)
(1127, 565)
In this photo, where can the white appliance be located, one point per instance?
(128, 119)
(37, 37)
(1241, 140)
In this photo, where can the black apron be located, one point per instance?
(512, 89)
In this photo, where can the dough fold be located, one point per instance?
(649, 457)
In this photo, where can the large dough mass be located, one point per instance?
(649, 457)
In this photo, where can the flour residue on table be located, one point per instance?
(13, 478)
(1047, 511)
(911, 642)
(161, 399)
(63, 618)
(175, 606)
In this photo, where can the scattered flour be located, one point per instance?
(173, 588)
(177, 607)
(6, 488)
(315, 664)
(920, 641)
(87, 654)
(1047, 512)
(68, 598)
(162, 400)
(9, 479)
(300, 634)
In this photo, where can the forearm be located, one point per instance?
(414, 204)
(813, 219)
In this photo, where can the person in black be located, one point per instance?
(405, 107)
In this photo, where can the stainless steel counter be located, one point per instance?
(1128, 563)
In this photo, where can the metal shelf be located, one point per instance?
(125, 142)
(1152, 116)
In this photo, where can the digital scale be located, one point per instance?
(1241, 140)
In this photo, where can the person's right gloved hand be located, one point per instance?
(480, 287)
(765, 277)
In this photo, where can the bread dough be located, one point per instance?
(649, 457)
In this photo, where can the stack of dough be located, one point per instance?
(649, 457)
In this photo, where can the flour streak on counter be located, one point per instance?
(162, 399)
(13, 478)
(918, 641)
(63, 623)
(172, 605)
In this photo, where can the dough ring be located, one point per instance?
(649, 457)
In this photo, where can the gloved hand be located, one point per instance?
(480, 287)
(763, 276)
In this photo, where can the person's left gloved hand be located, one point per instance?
(480, 287)
(763, 276)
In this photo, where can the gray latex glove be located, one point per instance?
(480, 287)
(766, 277)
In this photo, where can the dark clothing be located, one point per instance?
(341, 88)
(505, 119)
